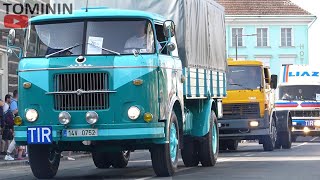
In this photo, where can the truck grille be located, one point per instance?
(307, 113)
(241, 111)
(80, 91)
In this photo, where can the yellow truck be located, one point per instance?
(248, 110)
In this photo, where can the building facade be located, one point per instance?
(274, 32)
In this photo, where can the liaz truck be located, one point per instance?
(299, 92)
(135, 75)
(248, 110)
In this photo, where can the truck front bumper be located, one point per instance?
(305, 126)
(154, 131)
(240, 129)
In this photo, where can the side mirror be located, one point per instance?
(274, 81)
(169, 29)
(11, 39)
(171, 46)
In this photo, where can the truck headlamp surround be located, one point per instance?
(64, 118)
(31, 115)
(134, 112)
(92, 117)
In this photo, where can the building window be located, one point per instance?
(262, 37)
(286, 37)
(287, 61)
(238, 32)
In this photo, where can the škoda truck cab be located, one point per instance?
(111, 81)
(248, 111)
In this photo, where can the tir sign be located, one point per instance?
(39, 135)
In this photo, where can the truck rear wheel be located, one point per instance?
(209, 146)
(101, 160)
(120, 159)
(165, 156)
(189, 153)
(44, 161)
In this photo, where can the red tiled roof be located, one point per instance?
(262, 7)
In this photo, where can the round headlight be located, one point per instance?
(92, 117)
(133, 112)
(64, 117)
(31, 115)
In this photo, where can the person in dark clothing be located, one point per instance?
(7, 123)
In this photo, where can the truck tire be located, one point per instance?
(285, 139)
(120, 159)
(44, 161)
(284, 129)
(164, 157)
(293, 138)
(101, 160)
(269, 141)
(209, 146)
(223, 145)
(189, 153)
(232, 145)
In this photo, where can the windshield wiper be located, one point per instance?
(240, 85)
(63, 50)
(105, 49)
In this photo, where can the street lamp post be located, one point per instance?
(236, 36)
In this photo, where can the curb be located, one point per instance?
(25, 162)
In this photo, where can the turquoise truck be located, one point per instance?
(113, 80)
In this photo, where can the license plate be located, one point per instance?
(80, 132)
(39, 135)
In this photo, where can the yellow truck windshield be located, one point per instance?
(244, 77)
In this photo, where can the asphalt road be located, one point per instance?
(250, 162)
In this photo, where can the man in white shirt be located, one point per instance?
(140, 41)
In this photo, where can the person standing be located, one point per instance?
(7, 122)
(2, 145)
(14, 110)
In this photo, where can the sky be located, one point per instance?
(312, 6)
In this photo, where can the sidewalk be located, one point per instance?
(75, 155)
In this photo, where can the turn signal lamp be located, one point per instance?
(148, 117)
(27, 85)
(17, 120)
(138, 82)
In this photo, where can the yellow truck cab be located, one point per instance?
(248, 110)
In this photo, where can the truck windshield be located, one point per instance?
(243, 77)
(94, 37)
(299, 92)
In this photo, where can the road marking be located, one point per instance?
(314, 139)
(299, 145)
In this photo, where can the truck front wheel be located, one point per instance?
(269, 142)
(232, 145)
(101, 160)
(165, 156)
(44, 161)
(209, 146)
